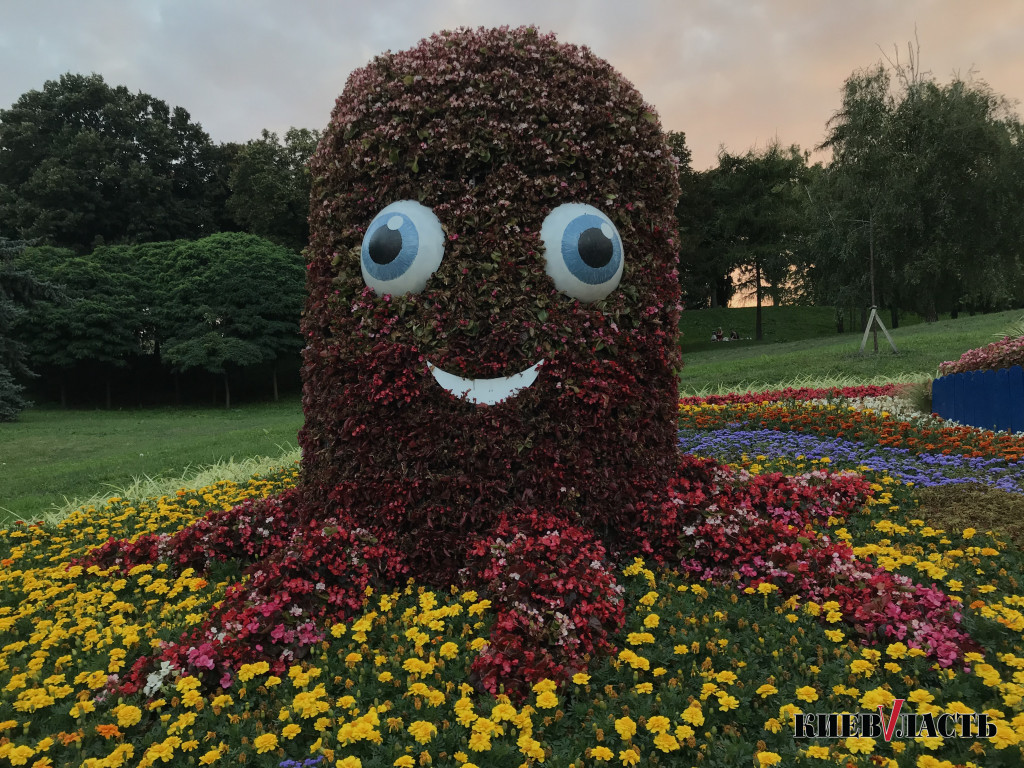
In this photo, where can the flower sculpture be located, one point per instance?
(490, 372)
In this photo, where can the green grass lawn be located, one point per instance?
(835, 358)
(778, 324)
(47, 456)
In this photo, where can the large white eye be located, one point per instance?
(582, 251)
(402, 248)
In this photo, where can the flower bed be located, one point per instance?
(1004, 353)
(863, 426)
(708, 668)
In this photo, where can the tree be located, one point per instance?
(270, 187)
(703, 270)
(919, 208)
(19, 288)
(96, 321)
(232, 300)
(759, 223)
(84, 164)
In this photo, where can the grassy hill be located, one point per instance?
(779, 324)
(818, 359)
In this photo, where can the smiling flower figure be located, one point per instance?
(492, 312)
(491, 322)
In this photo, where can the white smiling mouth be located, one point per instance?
(485, 391)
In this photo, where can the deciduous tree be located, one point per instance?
(233, 300)
(924, 192)
(83, 163)
(270, 186)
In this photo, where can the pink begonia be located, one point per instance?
(1004, 353)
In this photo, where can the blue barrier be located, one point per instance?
(987, 399)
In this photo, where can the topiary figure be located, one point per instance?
(492, 214)
(490, 365)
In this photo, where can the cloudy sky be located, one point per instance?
(729, 73)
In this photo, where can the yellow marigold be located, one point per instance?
(449, 650)
(768, 758)
(860, 744)
(291, 730)
(821, 753)
(807, 693)
(545, 685)
(422, 731)
(920, 696)
(353, 658)
(766, 690)
(658, 724)
(18, 755)
(644, 688)
(265, 743)
(666, 742)
(601, 753)
(547, 700)
(127, 715)
(581, 678)
(875, 698)
(861, 667)
(405, 761)
(897, 650)
(629, 757)
(635, 661)
(727, 702)
(684, 732)
(479, 741)
(349, 762)
(626, 728)
(694, 715)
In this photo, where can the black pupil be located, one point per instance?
(595, 248)
(385, 245)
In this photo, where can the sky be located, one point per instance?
(730, 74)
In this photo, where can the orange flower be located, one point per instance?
(67, 739)
(109, 731)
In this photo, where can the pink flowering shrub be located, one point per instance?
(1004, 353)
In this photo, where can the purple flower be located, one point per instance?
(922, 469)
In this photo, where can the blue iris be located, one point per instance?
(390, 246)
(591, 249)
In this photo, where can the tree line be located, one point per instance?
(920, 208)
(115, 209)
(156, 322)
